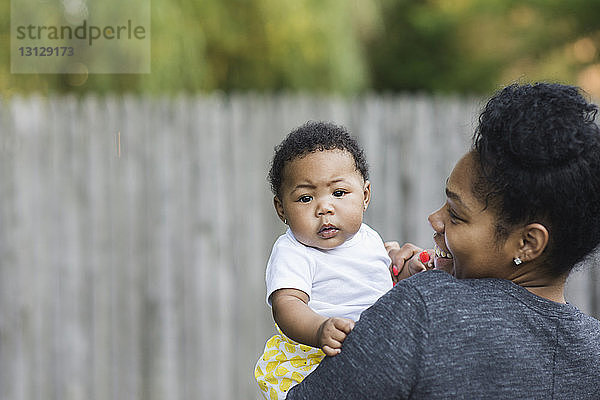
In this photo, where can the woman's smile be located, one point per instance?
(443, 259)
(441, 253)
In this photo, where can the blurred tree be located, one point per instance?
(476, 45)
(264, 45)
(348, 46)
(261, 45)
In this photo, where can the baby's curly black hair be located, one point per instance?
(539, 151)
(310, 137)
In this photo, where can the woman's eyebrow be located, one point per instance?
(456, 198)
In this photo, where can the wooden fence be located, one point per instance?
(134, 232)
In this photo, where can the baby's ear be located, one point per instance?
(366, 194)
(279, 209)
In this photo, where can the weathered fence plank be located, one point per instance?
(134, 232)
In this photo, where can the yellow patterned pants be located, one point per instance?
(284, 364)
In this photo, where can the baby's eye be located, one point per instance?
(339, 193)
(305, 199)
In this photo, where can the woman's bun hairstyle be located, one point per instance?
(539, 151)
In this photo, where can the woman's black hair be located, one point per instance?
(308, 138)
(539, 151)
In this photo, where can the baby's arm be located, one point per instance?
(300, 323)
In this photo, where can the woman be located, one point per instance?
(523, 207)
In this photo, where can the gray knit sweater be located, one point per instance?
(437, 337)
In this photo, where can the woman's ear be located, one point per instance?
(366, 195)
(279, 209)
(533, 242)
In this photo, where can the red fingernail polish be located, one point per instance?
(395, 270)
(424, 257)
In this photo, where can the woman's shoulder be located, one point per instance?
(433, 281)
(441, 292)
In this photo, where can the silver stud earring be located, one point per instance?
(517, 261)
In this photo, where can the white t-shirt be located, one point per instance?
(340, 282)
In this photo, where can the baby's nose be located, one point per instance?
(324, 208)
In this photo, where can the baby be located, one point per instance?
(329, 266)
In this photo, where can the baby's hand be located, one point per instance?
(332, 333)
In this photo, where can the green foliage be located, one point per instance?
(346, 46)
(476, 45)
(233, 45)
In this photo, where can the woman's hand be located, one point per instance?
(332, 332)
(405, 260)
